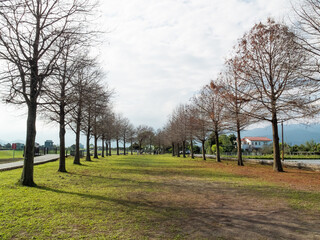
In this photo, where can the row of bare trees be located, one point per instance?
(272, 75)
(43, 52)
(46, 65)
(114, 128)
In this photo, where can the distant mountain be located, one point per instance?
(18, 141)
(293, 134)
(3, 142)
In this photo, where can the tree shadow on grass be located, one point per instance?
(225, 218)
(127, 203)
(199, 173)
(82, 165)
(92, 196)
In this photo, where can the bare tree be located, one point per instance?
(108, 126)
(117, 124)
(150, 139)
(143, 132)
(307, 25)
(173, 133)
(179, 120)
(235, 91)
(170, 136)
(159, 141)
(131, 136)
(210, 102)
(95, 96)
(32, 37)
(273, 65)
(87, 71)
(194, 127)
(101, 100)
(199, 123)
(59, 96)
(125, 132)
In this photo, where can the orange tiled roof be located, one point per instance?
(262, 139)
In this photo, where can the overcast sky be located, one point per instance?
(157, 54)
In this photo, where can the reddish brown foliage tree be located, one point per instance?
(273, 65)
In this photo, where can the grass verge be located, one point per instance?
(8, 154)
(125, 197)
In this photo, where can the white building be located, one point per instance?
(251, 143)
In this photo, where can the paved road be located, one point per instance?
(37, 161)
(298, 163)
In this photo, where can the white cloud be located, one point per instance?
(159, 53)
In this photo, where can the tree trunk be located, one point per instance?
(203, 150)
(184, 148)
(159, 150)
(140, 147)
(237, 112)
(239, 149)
(107, 148)
(110, 148)
(216, 135)
(88, 158)
(150, 148)
(77, 153)
(131, 147)
(178, 150)
(191, 146)
(27, 172)
(62, 161)
(95, 147)
(118, 147)
(277, 165)
(124, 146)
(173, 152)
(62, 133)
(102, 153)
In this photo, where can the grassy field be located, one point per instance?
(6, 154)
(159, 197)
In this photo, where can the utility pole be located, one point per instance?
(282, 141)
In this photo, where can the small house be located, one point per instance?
(254, 143)
(48, 144)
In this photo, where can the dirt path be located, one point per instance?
(227, 212)
(213, 210)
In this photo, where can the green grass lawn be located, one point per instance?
(8, 154)
(106, 198)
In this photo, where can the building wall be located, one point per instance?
(253, 144)
(48, 144)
